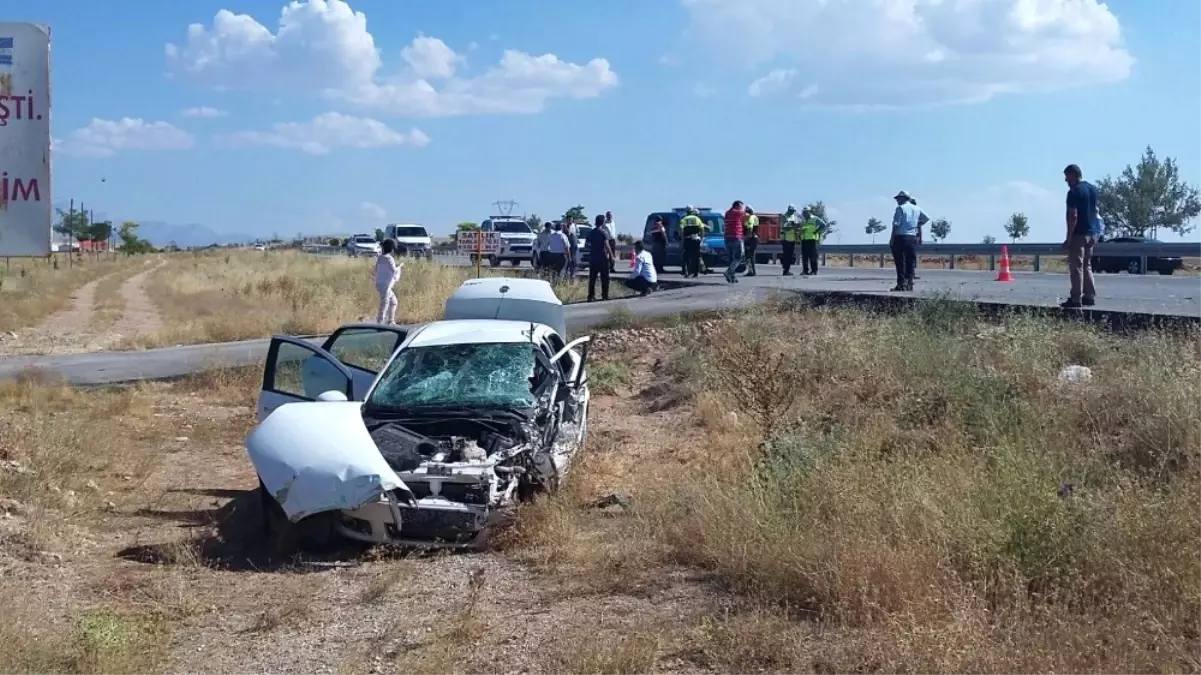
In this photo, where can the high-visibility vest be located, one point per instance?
(751, 225)
(809, 230)
(691, 226)
(788, 228)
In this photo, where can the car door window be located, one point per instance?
(365, 347)
(298, 370)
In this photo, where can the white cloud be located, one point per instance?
(105, 138)
(874, 54)
(774, 82)
(323, 47)
(373, 212)
(429, 58)
(325, 133)
(202, 111)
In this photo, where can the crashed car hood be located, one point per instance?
(316, 457)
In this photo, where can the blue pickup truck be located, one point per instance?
(713, 246)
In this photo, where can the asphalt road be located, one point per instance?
(1152, 294)
(104, 368)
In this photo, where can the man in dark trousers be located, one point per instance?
(751, 240)
(906, 221)
(692, 228)
(1083, 228)
(659, 244)
(600, 256)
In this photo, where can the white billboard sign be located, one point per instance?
(26, 209)
(469, 242)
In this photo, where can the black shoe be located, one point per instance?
(1071, 304)
(898, 289)
(1088, 302)
(787, 273)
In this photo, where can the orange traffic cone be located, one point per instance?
(1004, 275)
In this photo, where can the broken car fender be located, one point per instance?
(318, 456)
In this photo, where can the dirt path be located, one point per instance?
(61, 331)
(140, 315)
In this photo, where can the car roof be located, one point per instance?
(474, 331)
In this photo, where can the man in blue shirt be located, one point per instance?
(1083, 228)
(907, 221)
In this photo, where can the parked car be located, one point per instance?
(362, 244)
(1133, 264)
(424, 437)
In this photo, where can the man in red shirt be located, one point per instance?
(733, 233)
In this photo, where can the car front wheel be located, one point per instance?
(1134, 267)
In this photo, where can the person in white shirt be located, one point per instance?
(611, 232)
(643, 277)
(540, 245)
(557, 246)
(387, 273)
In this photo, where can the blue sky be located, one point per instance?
(974, 107)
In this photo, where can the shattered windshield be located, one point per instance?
(480, 374)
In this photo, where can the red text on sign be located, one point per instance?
(17, 108)
(18, 190)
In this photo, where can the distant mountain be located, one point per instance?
(191, 235)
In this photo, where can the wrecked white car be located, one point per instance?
(422, 437)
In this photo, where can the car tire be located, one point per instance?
(285, 538)
(1134, 267)
(1167, 272)
(493, 261)
(515, 262)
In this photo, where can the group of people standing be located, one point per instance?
(557, 246)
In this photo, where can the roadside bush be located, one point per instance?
(928, 470)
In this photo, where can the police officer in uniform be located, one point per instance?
(812, 228)
(790, 229)
(692, 229)
(751, 241)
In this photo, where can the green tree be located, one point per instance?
(625, 238)
(534, 221)
(989, 239)
(100, 231)
(379, 234)
(334, 241)
(575, 214)
(73, 224)
(818, 208)
(131, 243)
(1017, 227)
(1148, 197)
(874, 227)
(940, 229)
(468, 226)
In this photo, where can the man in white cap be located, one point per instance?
(907, 221)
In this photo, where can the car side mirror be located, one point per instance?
(333, 395)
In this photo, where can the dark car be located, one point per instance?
(1133, 263)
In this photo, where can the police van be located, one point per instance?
(713, 245)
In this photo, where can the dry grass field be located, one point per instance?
(911, 493)
(218, 296)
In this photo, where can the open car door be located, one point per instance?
(298, 370)
(577, 370)
(364, 349)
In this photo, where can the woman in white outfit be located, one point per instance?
(387, 273)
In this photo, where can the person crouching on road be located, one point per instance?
(751, 242)
(643, 277)
(600, 254)
(557, 246)
(387, 274)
